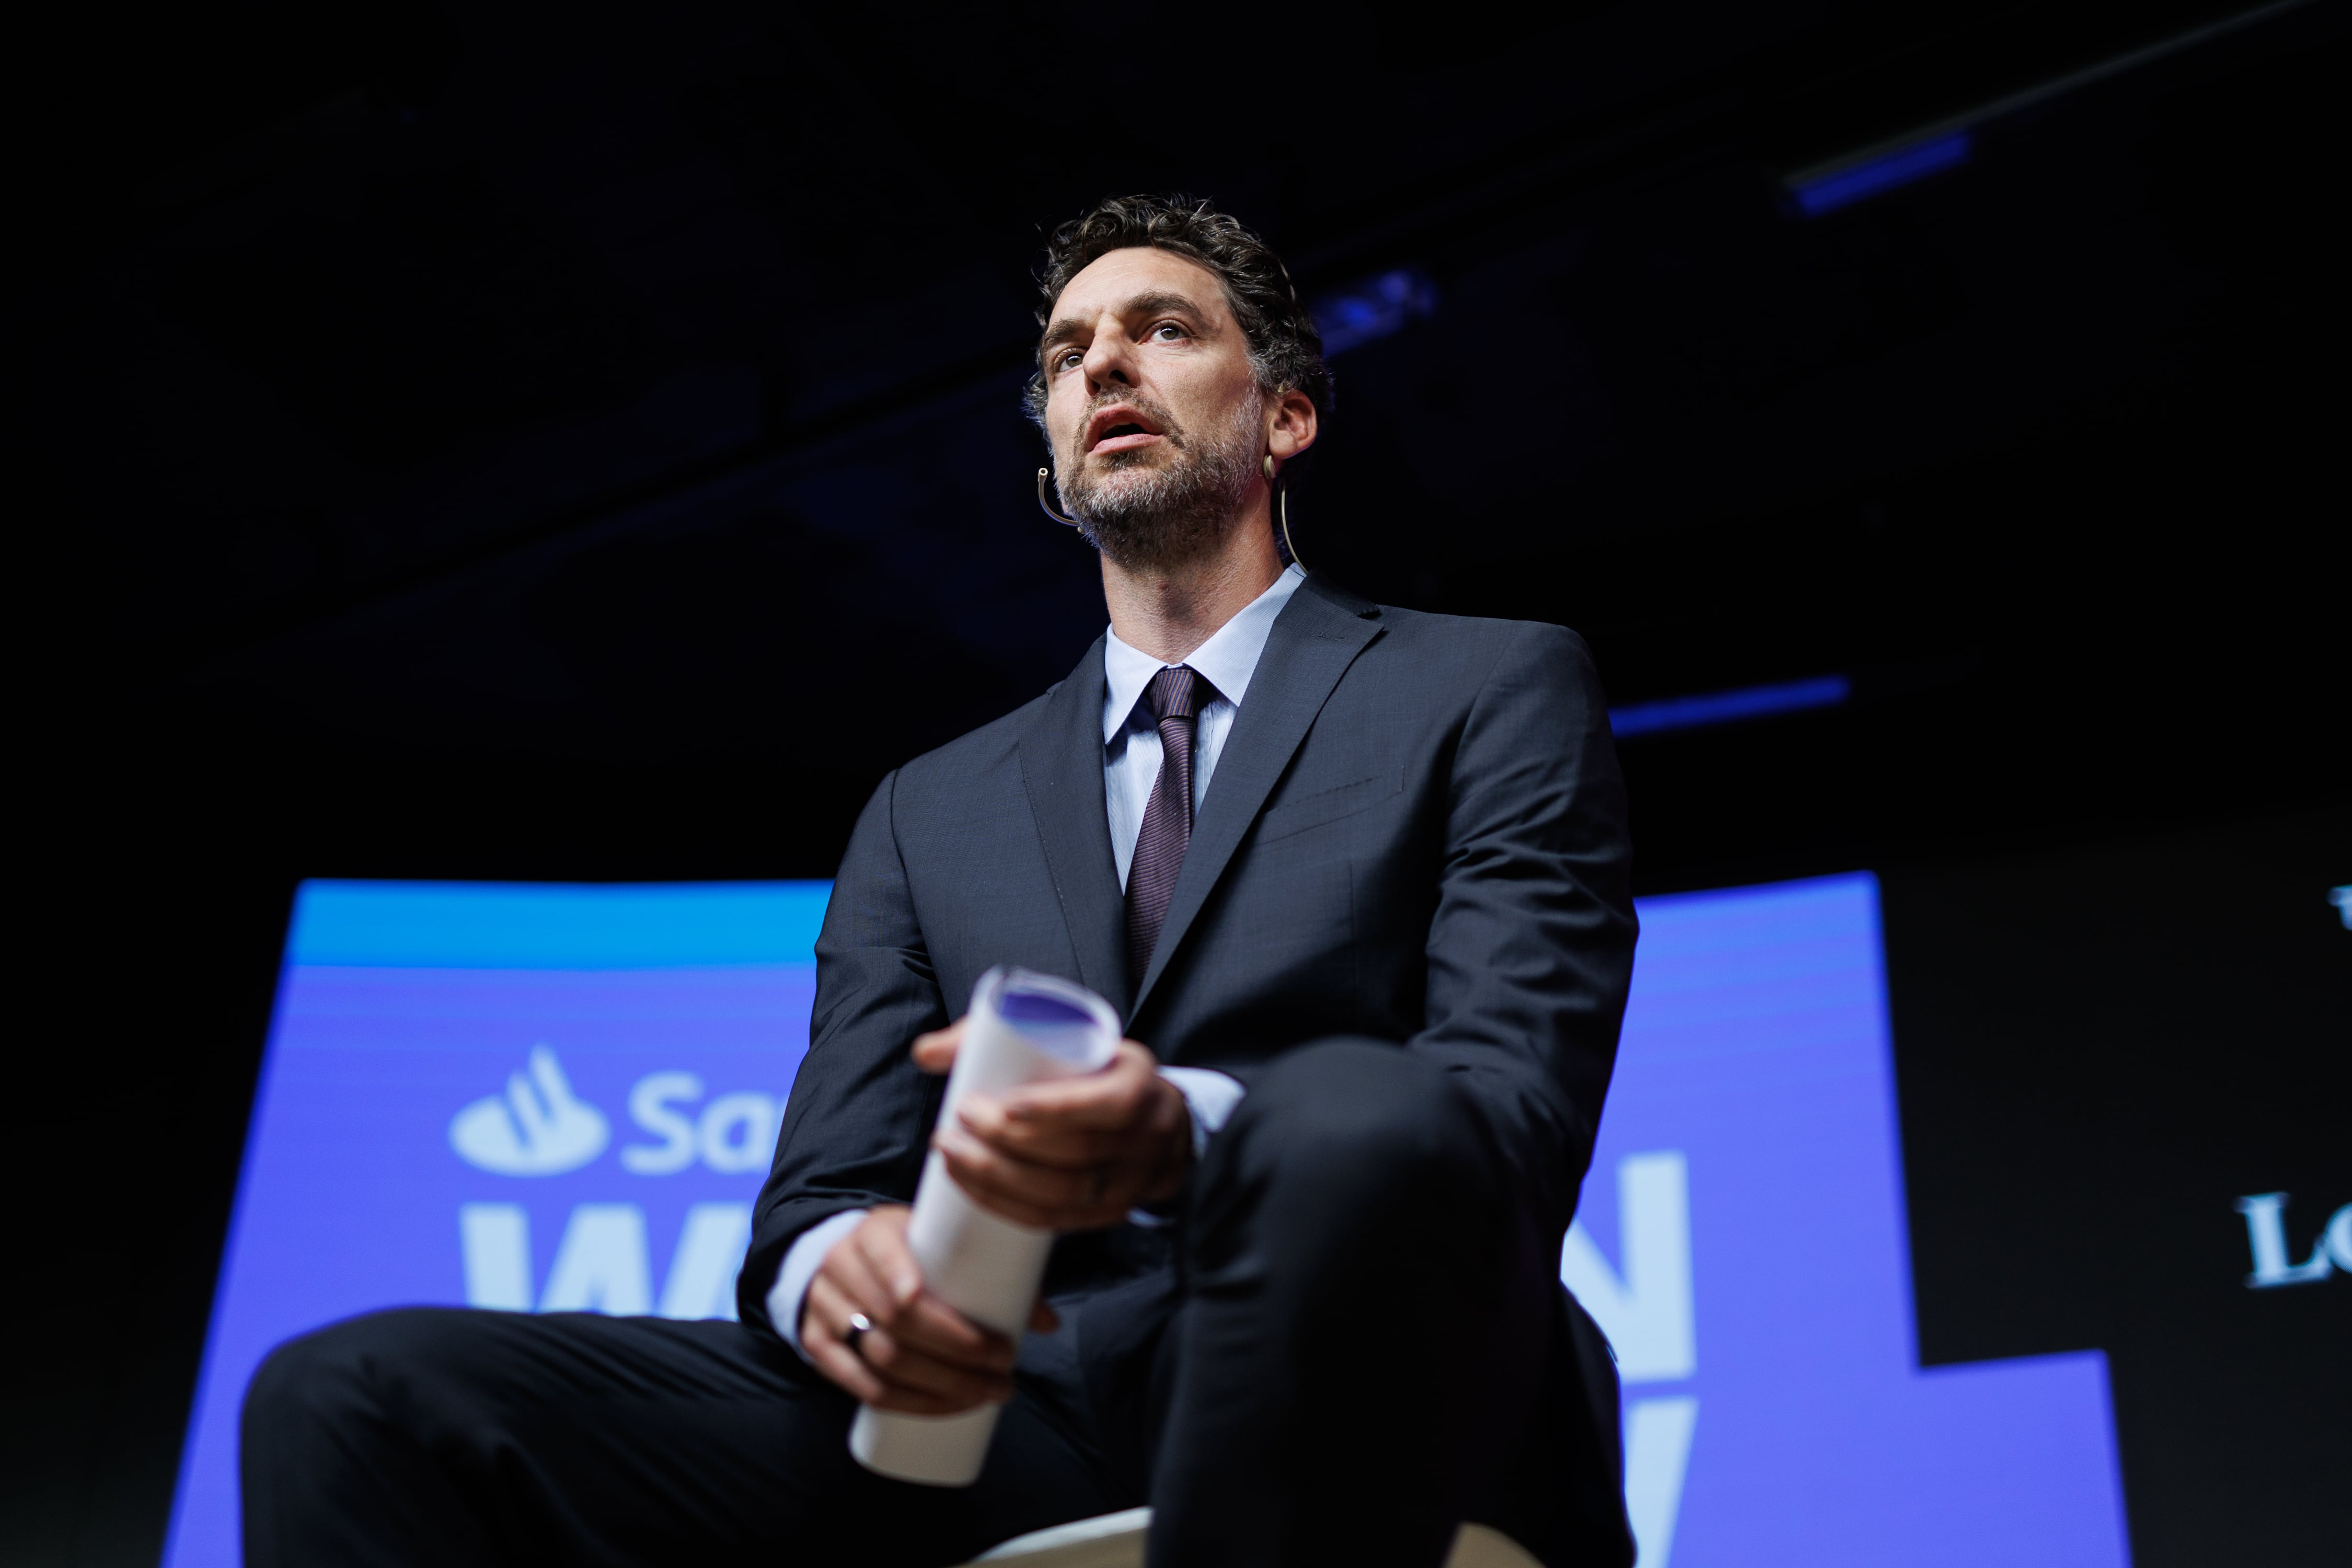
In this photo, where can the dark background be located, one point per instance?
(510, 442)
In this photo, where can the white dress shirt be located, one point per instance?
(1130, 738)
(1131, 758)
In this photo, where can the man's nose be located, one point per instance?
(1110, 359)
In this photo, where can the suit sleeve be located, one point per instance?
(856, 1126)
(1531, 948)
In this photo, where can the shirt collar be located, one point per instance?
(1226, 660)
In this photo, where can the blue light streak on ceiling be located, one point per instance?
(1725, 707)
(1373, 309)
(1836, 188)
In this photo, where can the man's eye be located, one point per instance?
(1067, 359)
(1166, 326)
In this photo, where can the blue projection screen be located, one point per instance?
(550, 1098)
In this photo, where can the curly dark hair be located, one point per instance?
(1285, 349)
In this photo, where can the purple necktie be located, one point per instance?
(1175, 695)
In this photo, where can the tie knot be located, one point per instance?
(1177, 693)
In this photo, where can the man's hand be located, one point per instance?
(920, 1356)
(1074, 1153)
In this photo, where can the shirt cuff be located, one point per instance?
(802, 1260)
(1210, 1094)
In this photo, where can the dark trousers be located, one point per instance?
(1360, 1343)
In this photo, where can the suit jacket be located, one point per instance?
(1415, 832)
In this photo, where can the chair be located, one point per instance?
(1115, 1540)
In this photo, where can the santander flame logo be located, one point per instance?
(537, 1128)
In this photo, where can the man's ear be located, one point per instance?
(1291, 426)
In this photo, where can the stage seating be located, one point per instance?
(1115, 1540)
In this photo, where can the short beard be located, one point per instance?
(1156, 519)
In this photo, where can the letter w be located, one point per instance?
(601, 1265)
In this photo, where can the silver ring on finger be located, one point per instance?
(860, 1325)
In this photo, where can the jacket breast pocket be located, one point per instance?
(1294, 816)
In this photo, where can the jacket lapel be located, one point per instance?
(1061, 769)
(1314, 640)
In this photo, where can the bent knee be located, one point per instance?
(330, 1373)
(1357, 1114)
(306, 1381)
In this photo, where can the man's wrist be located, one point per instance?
(1209, 1097)
(1176, 1140)
(788, 1298)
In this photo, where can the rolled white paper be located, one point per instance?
(1022, 1028)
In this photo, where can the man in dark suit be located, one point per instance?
(1356, 877)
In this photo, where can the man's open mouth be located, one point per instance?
(1121, 429)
